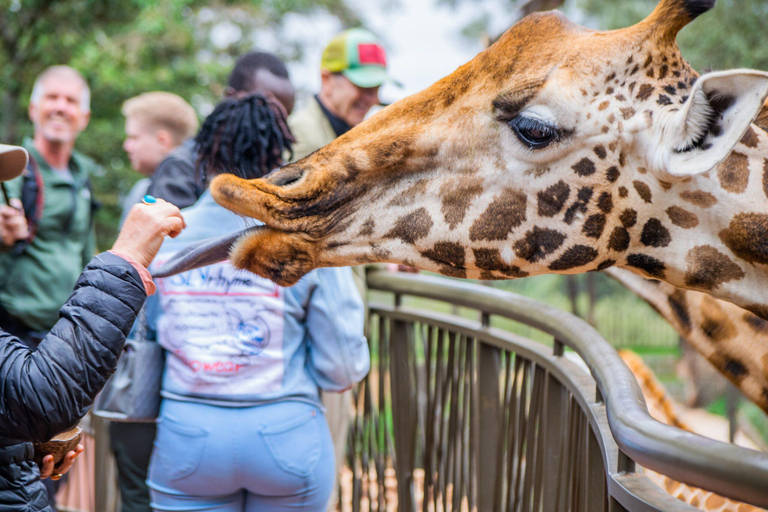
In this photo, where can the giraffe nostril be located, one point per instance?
(285, 176)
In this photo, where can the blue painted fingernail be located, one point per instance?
(148, 199)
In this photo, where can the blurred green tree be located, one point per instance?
(732, 35)
(126, 47)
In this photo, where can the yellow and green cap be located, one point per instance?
(358, 55)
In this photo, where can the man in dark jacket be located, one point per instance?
(47, 391)
(176, 179)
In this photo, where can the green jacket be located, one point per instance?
(313, 130)
(35, 284)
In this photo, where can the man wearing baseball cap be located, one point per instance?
(353, 67)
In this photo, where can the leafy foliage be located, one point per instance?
(126, 47)
(732, 35)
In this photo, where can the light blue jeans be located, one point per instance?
(266, 458)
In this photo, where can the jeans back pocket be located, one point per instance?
(180, 447)
(295, 445)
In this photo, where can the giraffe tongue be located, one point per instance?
(202, 253)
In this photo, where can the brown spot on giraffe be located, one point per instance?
(606, 264)
(734, 369)
(490, 260)
(698, 198)
(747, 237)
(715, 322)
(579, 206)
(750, 138)
(573, 257)
(584, 167)
(679, 306)
(538, 243)
(628, 218)
(708, 268)
(410, 194)
(450, 255)
(757, 324)
(619, 240)
(552, 199)
(765, 176)
(643, 190)
(456, 200)
(733, 173)
(682, 218)
(655, 234)
(605, 202)
(644, 92)
(600, 151)
(612, 174)
(594, 225)
(603, 105)
(623, 192)
(412, 226)
(367, 228)
(648, 264)
(627, 112)
(503, 215)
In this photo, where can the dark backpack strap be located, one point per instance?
(32, 200)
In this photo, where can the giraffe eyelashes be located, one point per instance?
(534, 133)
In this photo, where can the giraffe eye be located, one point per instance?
(534, 133)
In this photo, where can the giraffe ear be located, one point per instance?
(719, 109)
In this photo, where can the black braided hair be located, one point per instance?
(245, 137)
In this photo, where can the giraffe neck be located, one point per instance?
(734, 340)
(700, 233)
(663, 408)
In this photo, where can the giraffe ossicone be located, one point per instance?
(559, 149)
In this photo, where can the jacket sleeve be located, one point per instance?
(174, 181)
(338, 352)
(47, 391)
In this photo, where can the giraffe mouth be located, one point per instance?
(284, 258)
(283, 249)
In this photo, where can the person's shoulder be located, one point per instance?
(182, 154)
(309, 113)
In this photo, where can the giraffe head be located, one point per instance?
(550, 152)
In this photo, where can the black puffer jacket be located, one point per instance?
(47, 391)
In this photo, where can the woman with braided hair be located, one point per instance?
(246, 136)
(241, 426)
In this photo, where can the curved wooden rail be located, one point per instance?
(485, 419)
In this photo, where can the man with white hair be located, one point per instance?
(39, 270)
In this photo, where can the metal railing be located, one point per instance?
(470, 417)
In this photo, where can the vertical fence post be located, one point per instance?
(404, 413)
(489, 370)
(105, 493)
